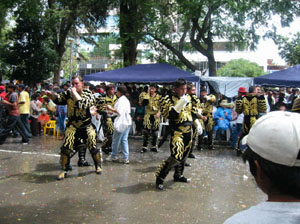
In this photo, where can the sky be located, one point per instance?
(269, 49)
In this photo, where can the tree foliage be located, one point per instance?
(29, 50)
(289, 49)
(56, 19)
(102, 45)
(201, 22)
(5, 9)
(240, 68)
(173, 28)
(66, 18)
(132, 25)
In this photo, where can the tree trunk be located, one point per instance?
(130, 52)
(211, 60)
(56, 78)
(212, 65)
(128, 31)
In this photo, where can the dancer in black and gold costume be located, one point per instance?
(151, 124)
(80, 133)
(107, 120)
(207, 120)
(251, 105)
(178, 108)
(197, 128)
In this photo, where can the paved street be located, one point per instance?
(221, 186)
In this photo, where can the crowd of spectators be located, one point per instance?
(227, 123)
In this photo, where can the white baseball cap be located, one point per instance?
(276, 137)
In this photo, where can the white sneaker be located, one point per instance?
(111, 158)
(126, 161)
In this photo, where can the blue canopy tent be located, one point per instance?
(289, 77)
(143, 73)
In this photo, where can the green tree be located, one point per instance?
(66, 18)
(4, 67)
(76, 57)
(289, 49)
(29, 51)
(201, 22)
(102, 45)
(5, 9)
(63, 19)
(240, 68)
(132, 25)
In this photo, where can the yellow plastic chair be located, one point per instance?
(50, 125)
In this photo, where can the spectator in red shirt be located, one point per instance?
(2, 91)
(13, 120)
(43, 118)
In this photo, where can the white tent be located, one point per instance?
(228, 86)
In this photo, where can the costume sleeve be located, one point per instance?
(262, 104)
(207, 109)
(195, 106)
(159, 103)
(239, 105)
(62, 98)
(144, 99)
(87, 100)
(165, 106)
(100, 103)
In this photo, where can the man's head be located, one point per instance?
(21, 87)
(258, 91)
(121, 90)
(203, 93)
(273, 153)
(44, 111)
(43, 92)
(153, 88)
(180, 87)
(50, 86)
(242, 91)
(11, 87)
(145, 89)
(252, 89)
(281, 107)
(110, 90)
(191, 89)
(86, 85)
(65, 87)
(224, 103)
(77, 83)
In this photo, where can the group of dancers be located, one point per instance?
(188, 117)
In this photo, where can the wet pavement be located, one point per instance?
(221, 186)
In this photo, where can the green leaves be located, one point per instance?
(29, 50)
(289, 49)
(240, 68)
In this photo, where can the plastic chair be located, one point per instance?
(50, 125)
(162, 123)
